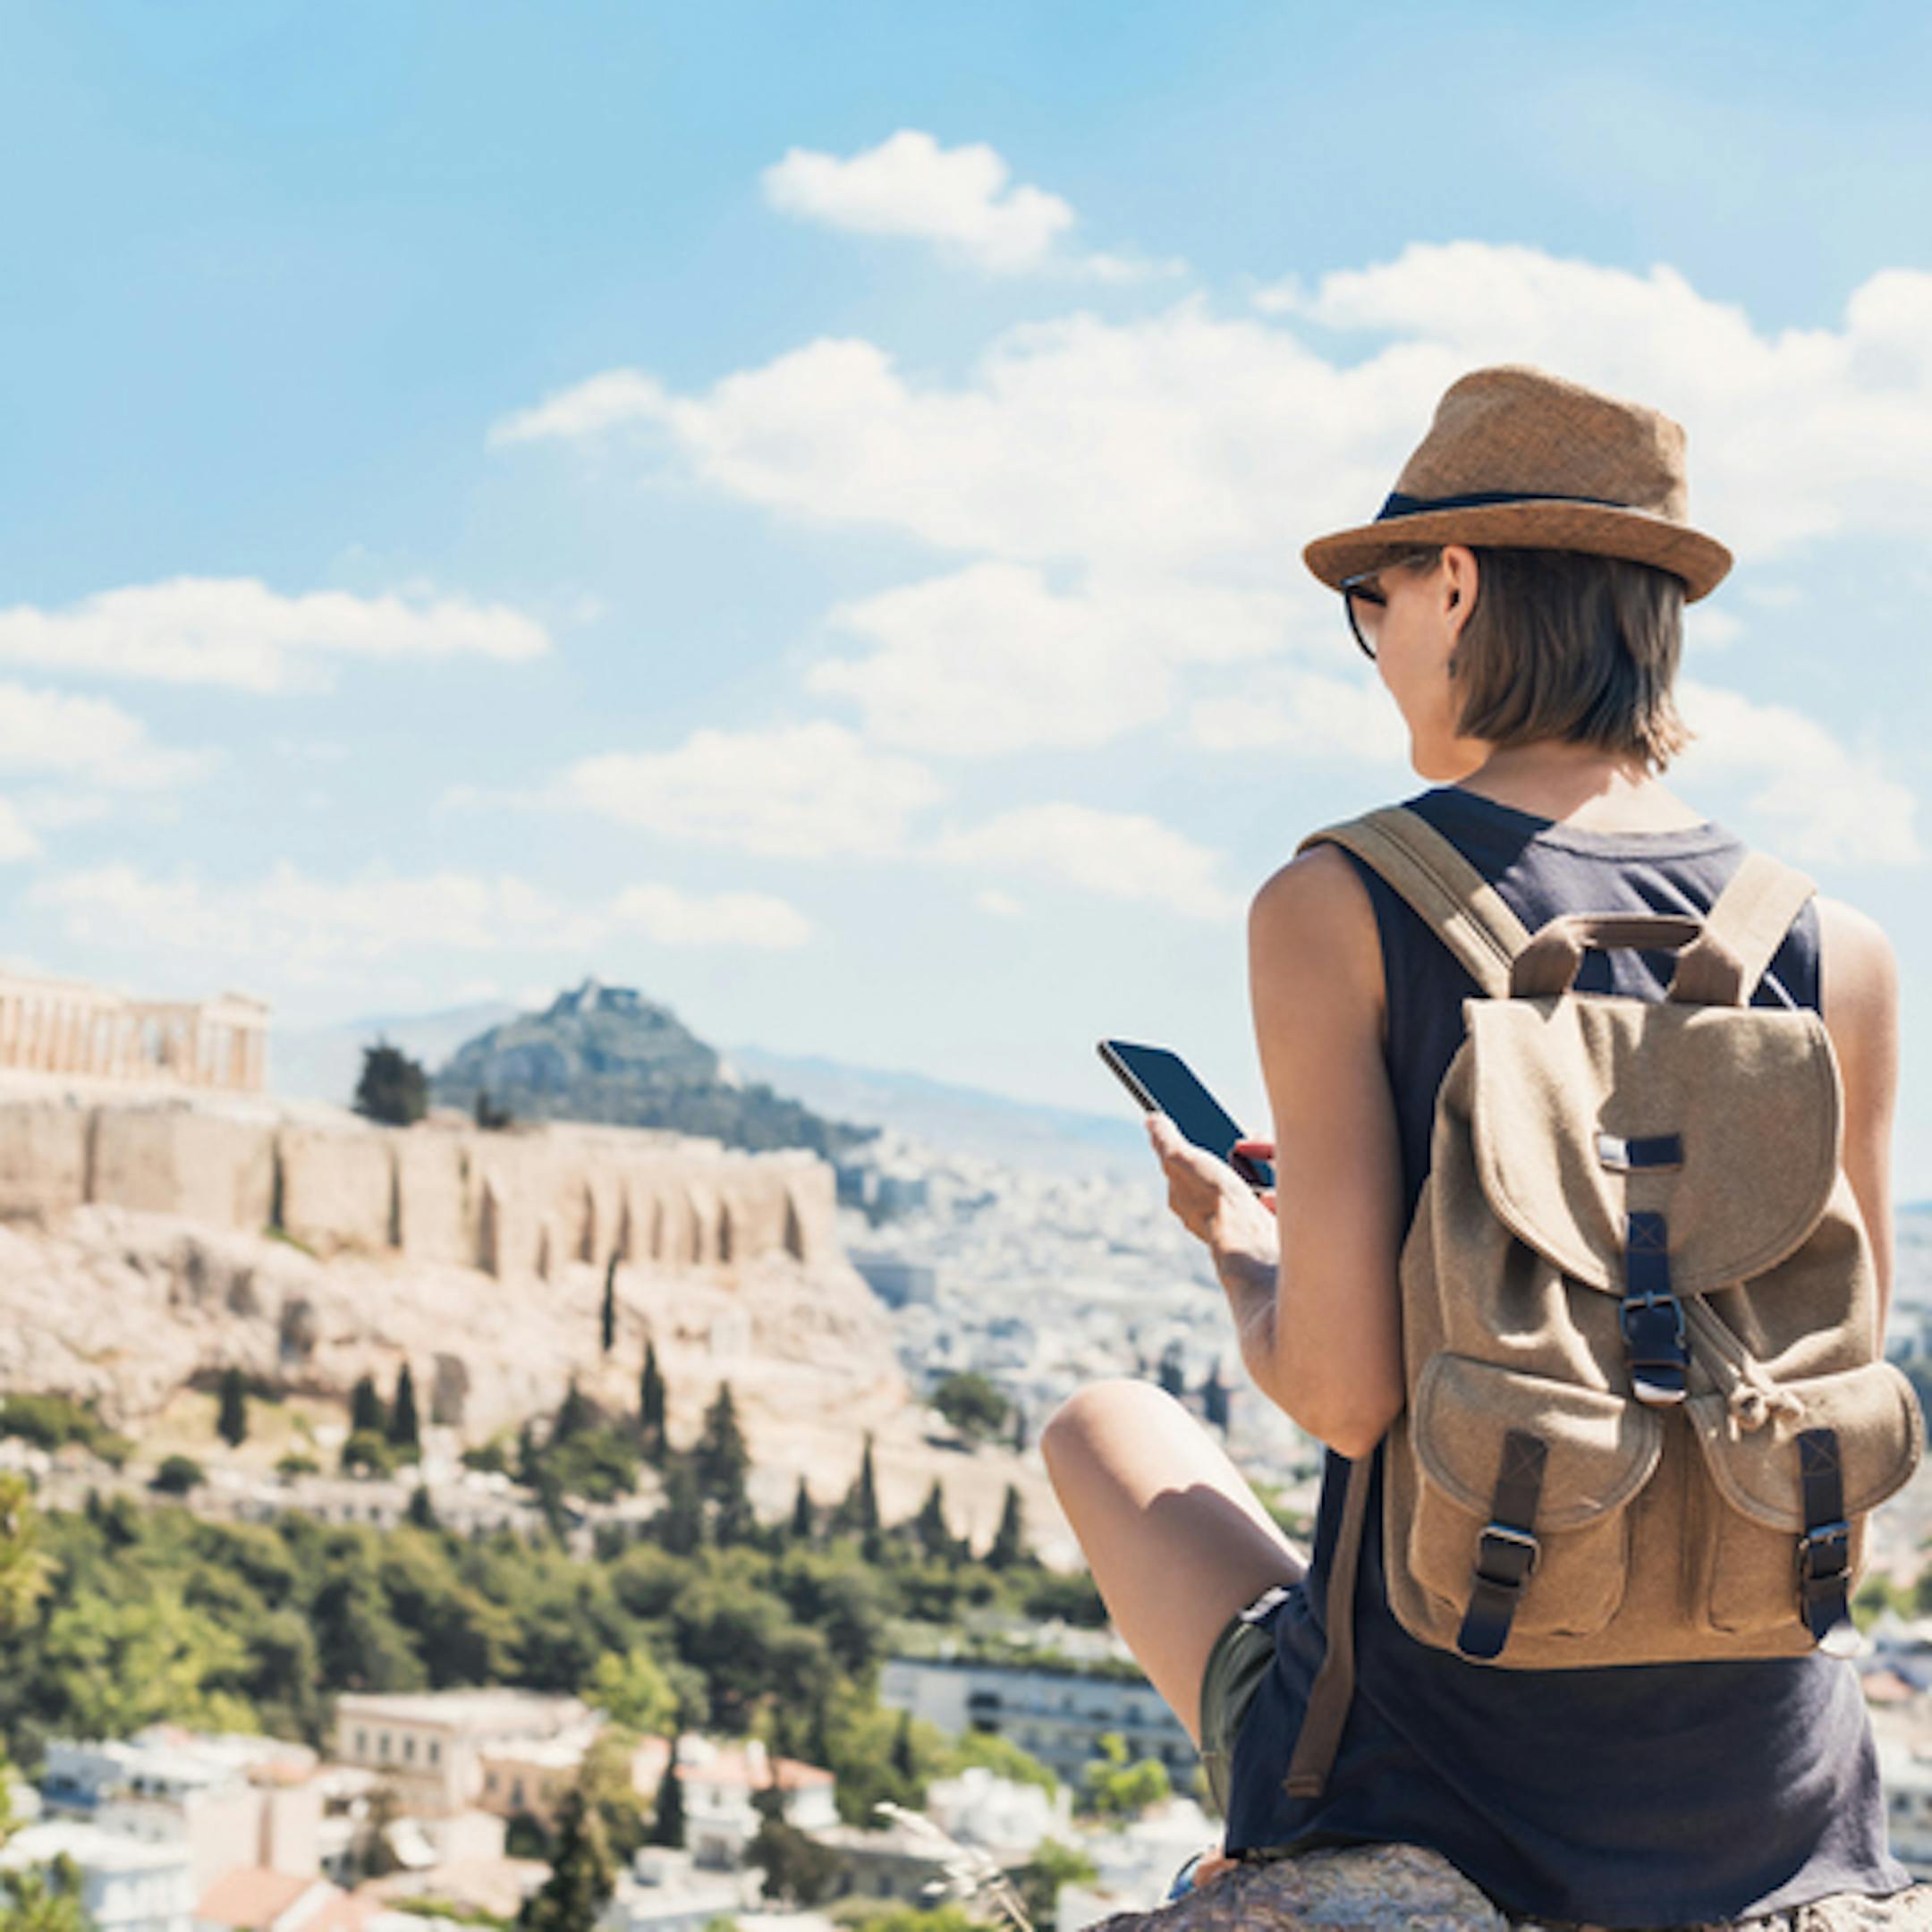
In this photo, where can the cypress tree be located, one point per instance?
(405, 1431)
(608, 1322)
(720, 1458)
(1214, 1399)
(802, 1514)
(365, 1409)
(232, 1423)
(861, 1503)
(421, 1510)
(902, 1763)
(667, 1820)
(1009, 1540)
(651, 1407)
(930, 1525)
(574, 1416)
(680, 1523)
(583, 1875)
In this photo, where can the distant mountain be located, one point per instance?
(966, 1120)
(602, 1052)
(324, 1063)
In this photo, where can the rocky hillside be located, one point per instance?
(129, 1310)
(602, 1052)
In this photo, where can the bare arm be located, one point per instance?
(1330, 1353)
(1858, 985)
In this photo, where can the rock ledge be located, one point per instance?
(1380, 1888)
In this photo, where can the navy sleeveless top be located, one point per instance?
(1635, 1795)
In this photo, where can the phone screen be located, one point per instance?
(1164, 1081)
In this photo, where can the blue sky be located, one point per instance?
(799, 510)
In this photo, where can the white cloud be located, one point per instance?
(311, 927)
(990, 660)
(1194, 440)
(1823, 803)
(1317, 718)
(17, 841)
(86, 738)
(758, 920)
(605, 402)
(809, 791)
(1114, 855)
(236, 632)
(960, 199)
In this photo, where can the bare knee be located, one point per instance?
(1099, 1411)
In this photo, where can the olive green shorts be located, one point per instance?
(1236, 1665)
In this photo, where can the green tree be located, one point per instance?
(232, 1425)
(367, 1414)
(177, 1475)
(667, 1816)
(651, 1407)
(422, 1512)
(1214, 1399)
(393, 1088)
(971, 1402)
(929, 1526)
(632, 1691)
(860, 1509)
(405, 1431)
(722, 1464)
(1040, 1879)
(803, 1521)
(26, 1572)
(582, 1873)
(902, 1762)
(118, 1666)
(606, 1786)
(575, 1414)
(1118, 1788)
(608, 1320)
(679, 1524)
(800, 1872)
(47, 1901)
(1009, 1540)
(366, 1449)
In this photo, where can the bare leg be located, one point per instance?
(1176, 1540)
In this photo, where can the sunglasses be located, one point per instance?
(1364, 599)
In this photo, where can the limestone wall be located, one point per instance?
(518, 1203)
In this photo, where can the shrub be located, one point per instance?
(177, 1475)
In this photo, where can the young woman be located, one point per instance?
(1520, 594)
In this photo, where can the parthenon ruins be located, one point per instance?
(63, 1027)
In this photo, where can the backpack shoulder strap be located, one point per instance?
(1450, 897)
(1742, 932)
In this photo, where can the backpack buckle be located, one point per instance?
(1824, 1560)
(1657, 1346)
(1506, 1556)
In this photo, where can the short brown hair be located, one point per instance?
(1565, 645)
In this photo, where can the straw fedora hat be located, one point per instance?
(1518, 459)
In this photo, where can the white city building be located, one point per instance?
(125, 1885)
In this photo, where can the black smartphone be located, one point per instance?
(1164, 1083)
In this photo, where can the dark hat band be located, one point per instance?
(1398, 505)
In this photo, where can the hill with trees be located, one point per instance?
(603, 1053)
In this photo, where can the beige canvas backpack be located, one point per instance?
(1647, 1412)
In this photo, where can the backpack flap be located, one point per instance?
(1783, 1526)
(1720, 1123)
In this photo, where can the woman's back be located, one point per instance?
(1634, 1795)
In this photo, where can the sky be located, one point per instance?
(800, 510)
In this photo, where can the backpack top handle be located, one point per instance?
(1549, 964)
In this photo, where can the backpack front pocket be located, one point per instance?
(1745, 1578)
(1469, 1424)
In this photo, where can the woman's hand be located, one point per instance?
(1214, 1203)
